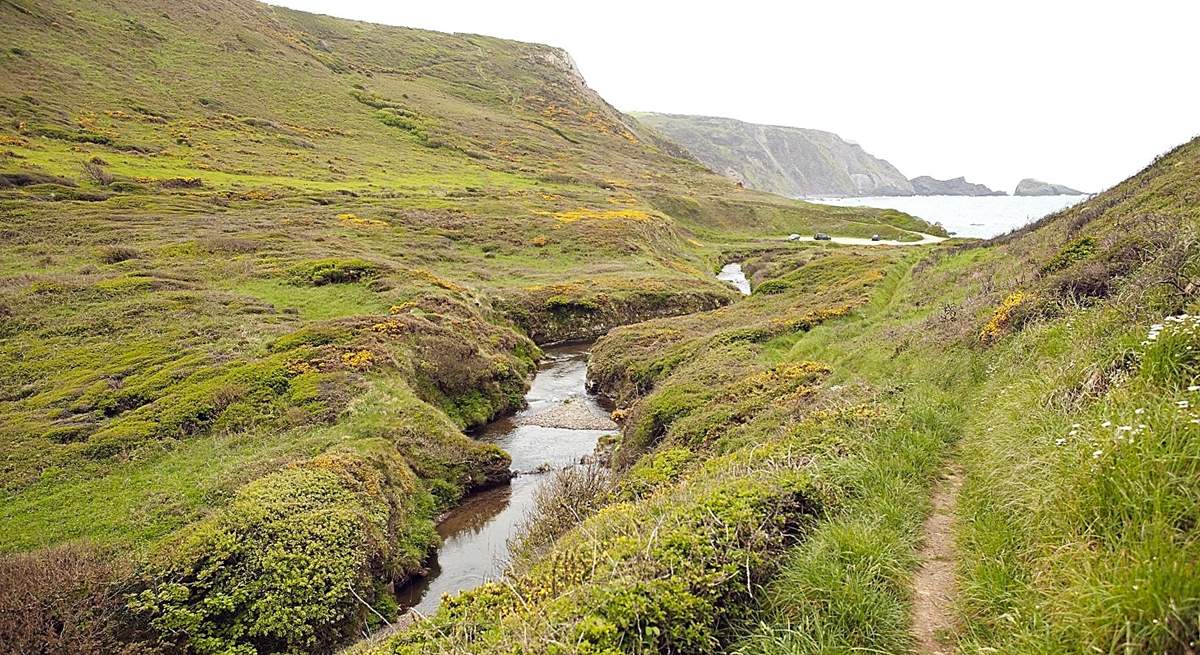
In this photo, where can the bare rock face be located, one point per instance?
(789, 161)
(959, 186)
(1032, 187)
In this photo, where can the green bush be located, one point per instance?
(279, 568)
(654, 471)
(332, 271)
(771, 287)
(1075, 251)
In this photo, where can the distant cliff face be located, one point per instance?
(789, 161)
(1032, 187)
(959, 186)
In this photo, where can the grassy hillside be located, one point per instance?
(777, 454)
(262, 269)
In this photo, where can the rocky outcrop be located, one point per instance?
(789, 161)
(959, 186)
(1032, 187)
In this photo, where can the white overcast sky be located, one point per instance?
(1073, 92)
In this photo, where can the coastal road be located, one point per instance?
(859, 241)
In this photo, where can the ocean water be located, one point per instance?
(966, 216)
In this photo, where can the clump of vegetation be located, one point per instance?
(118, 254)
(181, 183)
(292, 563)
(1074, 252)
(669, 572)
(95, 171)
(1172, 352)
(68, 598)
(1002, 317)
(333, 270)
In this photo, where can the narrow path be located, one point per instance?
(933, 585)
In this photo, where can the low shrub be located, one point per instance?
(118, 254)
(289, 565)
(771, 287)
(1002, 317)
(22, 179)
(65, 599)
(332, 271)
(97, 173)
(310, 335)
(572, 496)
(654, 471)
(1075, 251)
(181, 183)
(664, 576)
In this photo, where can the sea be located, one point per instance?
(966, 216)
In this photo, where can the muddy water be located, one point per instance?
(732, 274)
(559, 428)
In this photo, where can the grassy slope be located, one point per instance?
(1027, 360)
(254, 255)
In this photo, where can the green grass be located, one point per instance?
(1069, 541)
(337, 287)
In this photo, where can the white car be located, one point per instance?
(793, 237)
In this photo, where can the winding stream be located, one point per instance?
(559, 428)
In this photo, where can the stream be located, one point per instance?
(732, 274)
(559, 428)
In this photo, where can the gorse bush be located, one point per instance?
(1003, 316)
(118, 254)
(291, 564)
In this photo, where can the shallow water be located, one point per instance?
(733, 274)
(966, 216)
(475, 534)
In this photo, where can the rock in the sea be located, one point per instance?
(959, 186)
(1032, 187)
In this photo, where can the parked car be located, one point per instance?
(821, 236)
(793, 237)
(876, 237)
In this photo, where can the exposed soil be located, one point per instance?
(934, 586)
